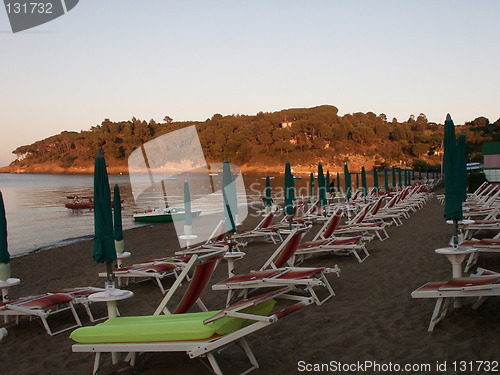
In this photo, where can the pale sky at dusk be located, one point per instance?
(190, 59)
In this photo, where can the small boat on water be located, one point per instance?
(82, 203)
(79, 205)
(163, 215)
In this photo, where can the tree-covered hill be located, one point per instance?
(262, 142)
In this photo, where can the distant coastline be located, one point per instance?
(355, 164)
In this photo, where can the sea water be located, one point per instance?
(36, 214)
(37, 218)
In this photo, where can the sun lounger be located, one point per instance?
(218, 241)
(326, 242)
(365, 228)
(198, 334)
(279, 270)
(42, 306)
(81, 297)
(264, 229)
(155, 270)
(445, 292)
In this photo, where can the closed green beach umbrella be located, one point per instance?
(311, 187)
(104, 243)
(338, 182)
(357, 180)
(4, 247)
(347, 182)
(375, 179)
(188, 216)
(229, 197)
(117, 214)
(117, 221)
(327, 184)
(453, 176)
(452, 173)
(292, 190)
(321, 186)
(400, 178)
(394, 176)
(268, 201)
(363, 181)
(386, 179)
(288, 190)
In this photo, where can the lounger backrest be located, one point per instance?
(480, 189)
(392, 202)
(268, 220)
(356, 195)
(289, 250)
(286, 250)
(377, 206)
(332, 225)
(203, 266)
(313, 209)
(201, 276)
(362, 214)
(404, 194)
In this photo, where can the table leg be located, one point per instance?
(5, 298)
(456, 264)
(113, 314)
(230, 267)
(457, 270)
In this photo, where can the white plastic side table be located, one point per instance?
(110, 299)
(120, 256)
(456, 256)
(4, 286)
(188, 238)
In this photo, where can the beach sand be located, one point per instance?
(371, 318)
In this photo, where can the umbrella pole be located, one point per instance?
(109, 270)
(455, 233)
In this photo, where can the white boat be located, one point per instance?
(167, 214)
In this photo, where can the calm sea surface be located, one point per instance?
(37, 218)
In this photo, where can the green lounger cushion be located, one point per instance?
(175, 327)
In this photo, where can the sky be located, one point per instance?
(191, 59)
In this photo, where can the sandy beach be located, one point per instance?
(372, 317)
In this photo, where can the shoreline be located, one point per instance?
(68, 241)
(354, 165)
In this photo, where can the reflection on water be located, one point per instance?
(37, 217)
(36, 212)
